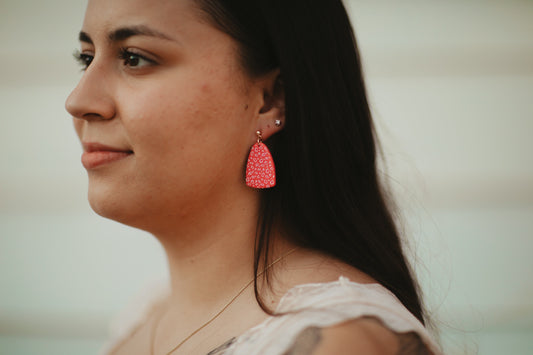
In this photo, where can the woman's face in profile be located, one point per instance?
(166, 89)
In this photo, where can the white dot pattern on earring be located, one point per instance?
(260, 170)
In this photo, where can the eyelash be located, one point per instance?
(124, 54)
(83, 59)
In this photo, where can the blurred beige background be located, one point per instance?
(451, 87)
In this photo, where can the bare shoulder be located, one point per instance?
(309, 266)
(361, 336)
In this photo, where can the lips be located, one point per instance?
(96, 155)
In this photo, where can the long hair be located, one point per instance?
(328, 196)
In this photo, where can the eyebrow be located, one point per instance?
(123, 33)
(84, 37)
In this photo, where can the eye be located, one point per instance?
(83, 59)
(134, 60)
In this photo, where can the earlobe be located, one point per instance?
(272, 114)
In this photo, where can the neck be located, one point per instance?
(210, 252)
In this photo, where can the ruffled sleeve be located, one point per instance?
(324, 305)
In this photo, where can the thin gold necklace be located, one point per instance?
(158, 319)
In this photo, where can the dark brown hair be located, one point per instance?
(328, 196)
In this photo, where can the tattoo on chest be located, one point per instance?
(220, 350)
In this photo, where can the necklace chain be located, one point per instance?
(210, 320)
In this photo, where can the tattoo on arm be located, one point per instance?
(306, 342)
(310, 338)
(411, 344)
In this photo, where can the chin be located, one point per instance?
(108, 202)
(105, 206)
(120, 206)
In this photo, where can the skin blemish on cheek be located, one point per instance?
(246, 107)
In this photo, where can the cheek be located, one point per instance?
(191, 131)
(202, 110)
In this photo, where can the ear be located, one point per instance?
(273, 106)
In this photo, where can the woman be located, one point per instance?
(177, 102)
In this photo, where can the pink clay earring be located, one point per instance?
(260, 170)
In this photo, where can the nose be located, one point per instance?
(92, 98)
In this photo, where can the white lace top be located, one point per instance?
(323, 305)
